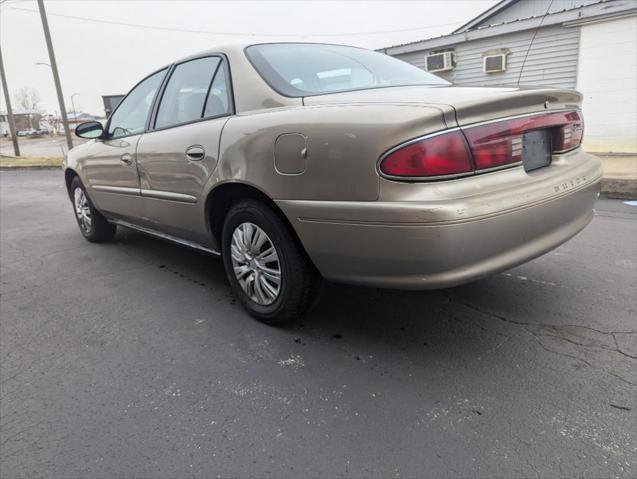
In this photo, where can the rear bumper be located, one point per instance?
(437, 235)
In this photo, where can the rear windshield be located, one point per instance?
(303, 69)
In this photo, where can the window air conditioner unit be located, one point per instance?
(495, 63)
(439, 62)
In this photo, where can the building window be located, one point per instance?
(495, 61)
(440, 61)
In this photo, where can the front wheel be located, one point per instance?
(266, 266)
(93, 225)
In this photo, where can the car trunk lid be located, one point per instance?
(462, 105)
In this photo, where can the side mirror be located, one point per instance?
(89, 129)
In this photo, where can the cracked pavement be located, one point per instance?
(132, 359)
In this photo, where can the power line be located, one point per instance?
(238, 34)
(533, 39)
(2, 2)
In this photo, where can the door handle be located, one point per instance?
(126, 158)
(195, 153)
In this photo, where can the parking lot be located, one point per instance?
(132, 359)
(46, 146)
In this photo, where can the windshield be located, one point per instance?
(305, 69)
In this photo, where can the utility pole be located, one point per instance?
(5, 89)
(56, 76)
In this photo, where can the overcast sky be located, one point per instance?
(98, 58)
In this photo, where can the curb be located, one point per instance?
(31, 167)
(619, 188)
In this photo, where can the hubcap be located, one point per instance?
(82, 210)
(255, 263)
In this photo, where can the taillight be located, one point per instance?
(500, 143)
(440, 155)
(495, 144)
(481, 147)
(569, 135)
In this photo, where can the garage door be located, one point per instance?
(607, 76)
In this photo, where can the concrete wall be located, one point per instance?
(607, 76)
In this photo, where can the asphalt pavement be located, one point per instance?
(132, 359)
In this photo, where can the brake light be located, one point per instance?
(481, 147)
(500, 143)
(569, 135)
(495, 144)
(440, 155)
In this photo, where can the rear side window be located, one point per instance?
(196, 89)
(218, 102)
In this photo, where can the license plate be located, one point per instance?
(536, 149)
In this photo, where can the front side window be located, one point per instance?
(304, 69)
(191, 92)
(131, 114)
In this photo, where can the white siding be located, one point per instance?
(608, 79)
(552, 59)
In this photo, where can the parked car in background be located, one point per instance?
(297, 162)
(32, 132)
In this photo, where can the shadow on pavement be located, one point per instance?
(403, 321)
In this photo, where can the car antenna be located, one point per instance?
(533, 39)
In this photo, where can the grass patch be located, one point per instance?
(30, 162)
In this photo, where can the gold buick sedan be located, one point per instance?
(296, 162)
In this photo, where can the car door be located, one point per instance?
(110, 166)
(180, 151)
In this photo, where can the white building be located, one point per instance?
(4, 124)
(24, 120)
(588, 45)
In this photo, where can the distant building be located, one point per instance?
(110, 103)
(24, 120)
(79, 117)
(4, 124)
(33, 120)
(588, 45)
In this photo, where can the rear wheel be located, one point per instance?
(265, 264)
(93, 225)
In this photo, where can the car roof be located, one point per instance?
(250, 91)
(234, 48)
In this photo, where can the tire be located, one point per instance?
(257, 243)
(93, 226)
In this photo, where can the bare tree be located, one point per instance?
(27, 98)
(35, 100)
